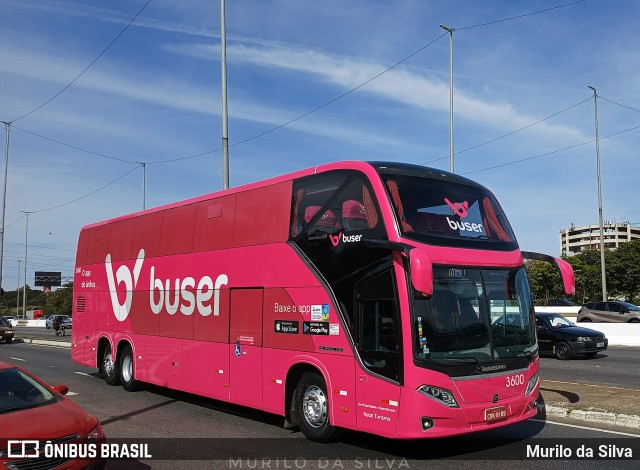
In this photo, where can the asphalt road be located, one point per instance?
(615, 367)
(234, 437)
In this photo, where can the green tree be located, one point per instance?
(545, 281)
(36, 299)
(623, 270)
(61, 301)
(586, 267)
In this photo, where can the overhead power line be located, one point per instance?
(521, 16)
(618, 104)
(551, 153)
(512, 132)
(87, 67)
(86, 195)
(76, 148)
(317, 108)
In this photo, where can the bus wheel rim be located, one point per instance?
(314, 406)
(107, 364)
(127, 371)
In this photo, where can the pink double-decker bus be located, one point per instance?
(380, 297)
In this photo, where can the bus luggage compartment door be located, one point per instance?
(245, 343)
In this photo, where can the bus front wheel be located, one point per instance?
(312, 404)
(109, 368)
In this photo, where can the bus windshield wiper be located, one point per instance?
(467, 360)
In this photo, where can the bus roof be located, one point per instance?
(364, 166)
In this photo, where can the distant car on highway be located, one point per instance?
(6, 330)
(12, 320)
(609, 312)
(65, 319)
(561, 303)
(564, 339)
(32, 411)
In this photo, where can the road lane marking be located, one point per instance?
(585, 427)
(87, 375)
(591, 385)
(70, 393)
(18, 359)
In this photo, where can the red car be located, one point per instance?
(32, 413)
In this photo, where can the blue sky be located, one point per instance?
(155, 95)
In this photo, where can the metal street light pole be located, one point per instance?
(7, 126)
(450, 31)
(225, 130)
(602, 266)
(24, 291)
(18, 289)
(144, 184)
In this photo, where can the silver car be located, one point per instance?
(65, 319)
(609, 312)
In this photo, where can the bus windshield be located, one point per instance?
(448, 213)
(474, 314)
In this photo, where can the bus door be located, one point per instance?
(378, 340)
(245, 343)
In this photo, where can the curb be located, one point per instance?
(602, 417)
(60, 344)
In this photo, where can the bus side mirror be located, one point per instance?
(568, 278)
(421, 271)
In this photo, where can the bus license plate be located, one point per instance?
(494, 414)
(600, 345)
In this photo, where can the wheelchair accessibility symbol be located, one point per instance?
(237, 351)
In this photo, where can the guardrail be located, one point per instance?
(31, 323)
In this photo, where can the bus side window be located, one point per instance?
(345, 200)
(327, 222)
(354, 215)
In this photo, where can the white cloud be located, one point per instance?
(398, 85)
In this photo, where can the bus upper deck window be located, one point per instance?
(354, 215)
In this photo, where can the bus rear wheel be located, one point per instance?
(127, 370)
(109, 368)
(312, 404)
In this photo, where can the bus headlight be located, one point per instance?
(441, 395)
(532, 383)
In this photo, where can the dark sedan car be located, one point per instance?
(6, 330)
(561, 303)
(559, 336)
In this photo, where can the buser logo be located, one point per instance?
(123, 275)
(335, 239)
(461, 209)
(187, 296)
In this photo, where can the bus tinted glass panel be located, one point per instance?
(474, 315)
(450, 214)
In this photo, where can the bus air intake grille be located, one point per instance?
(80, 304)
